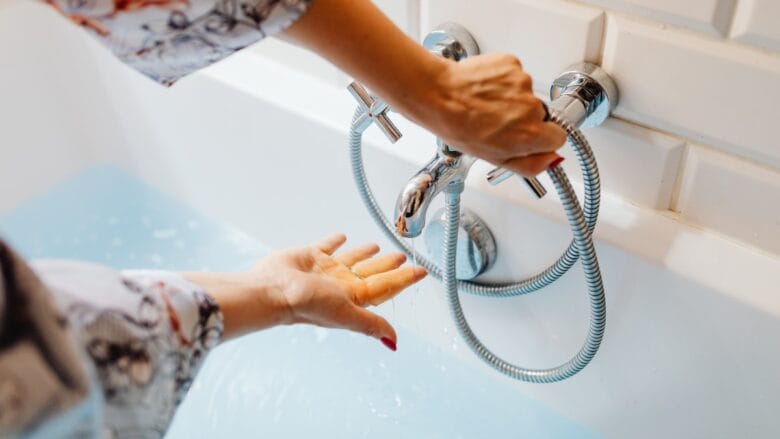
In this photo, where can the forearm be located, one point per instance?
(483, 106)
(247, 305)
(359, 39)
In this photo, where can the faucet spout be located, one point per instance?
(448, 166)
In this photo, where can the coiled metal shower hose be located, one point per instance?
(582, 221)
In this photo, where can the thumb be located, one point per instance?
(372, 325)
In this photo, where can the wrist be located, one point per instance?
(432, 104)
(423, 96)
(248, 303)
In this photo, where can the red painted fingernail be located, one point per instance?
(555, 162)
(389, 343)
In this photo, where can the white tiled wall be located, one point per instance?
(756, 22)
(695, 86)
(547, 36)
(708, 16)
(713, 180)
(634, 162)
(700, 94)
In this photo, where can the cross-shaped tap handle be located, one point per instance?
(374, 110)
(498, 175)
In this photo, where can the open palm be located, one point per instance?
(332, 290)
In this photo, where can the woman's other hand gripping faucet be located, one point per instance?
(484, 105)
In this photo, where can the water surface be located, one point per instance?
(287, 382)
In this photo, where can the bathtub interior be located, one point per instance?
(256, 154)
(286, 382)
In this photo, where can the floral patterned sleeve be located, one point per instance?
(168, 39)
(137, 337)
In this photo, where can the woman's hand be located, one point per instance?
(313, 285)
(485, 106)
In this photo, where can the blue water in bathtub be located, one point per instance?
(286, 382)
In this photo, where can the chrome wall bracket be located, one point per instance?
(451, 41)
(585, 95)
(476, 251)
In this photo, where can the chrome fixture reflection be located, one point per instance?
(476, 251)
(461, 243)
(448, 166)
(451, 41)
(374, 111)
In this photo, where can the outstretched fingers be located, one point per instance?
(353, 256)
(331, 243)
(365, 322)
(384, 286)
(379, 264)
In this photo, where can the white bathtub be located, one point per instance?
(692, 347)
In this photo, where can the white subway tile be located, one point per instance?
(734, 196)
(710, 16)
(547, 36)
(635, 163)
(757, 22)
(719, 94)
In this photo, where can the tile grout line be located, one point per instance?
(674, 201)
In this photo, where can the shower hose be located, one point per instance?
(582, 220)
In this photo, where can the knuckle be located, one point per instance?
(511, 59)
(533, 104)
(532, 131)
(526, 81)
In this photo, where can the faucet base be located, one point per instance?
(476, 246)
(451, 41)
(585, 95)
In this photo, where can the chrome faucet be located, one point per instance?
(447, 167)
(453, 42)
(460, 245)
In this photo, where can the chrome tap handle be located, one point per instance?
(498, 175)
(374, 110)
